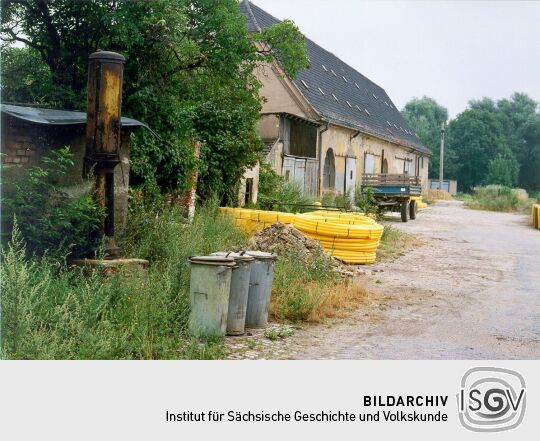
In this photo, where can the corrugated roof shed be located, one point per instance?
(56, 117)
(339, 93)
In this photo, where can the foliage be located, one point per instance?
(50, 220)
(476, 137)
(502, 170)
(365, 200)
(425, 116)
(190, 74)
(52, 312)
(499, 198)
(276, 193)
(26, 79)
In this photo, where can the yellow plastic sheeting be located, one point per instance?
(536, 215)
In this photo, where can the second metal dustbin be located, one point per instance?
(260, 288)
(238, 298)
(209, 289)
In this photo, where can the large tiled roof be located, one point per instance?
(339, 93)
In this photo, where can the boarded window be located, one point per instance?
(369, 163)
(299, 139)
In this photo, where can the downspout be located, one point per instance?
(321, 165)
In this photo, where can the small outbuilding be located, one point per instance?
(29, 133)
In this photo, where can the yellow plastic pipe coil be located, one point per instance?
(419, 202)
(350, 237)
(536, 215)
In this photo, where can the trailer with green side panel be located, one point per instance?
(392, 192)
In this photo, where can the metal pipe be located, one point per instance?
(103, 133)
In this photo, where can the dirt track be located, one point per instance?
(472, 291)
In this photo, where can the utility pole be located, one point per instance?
(441, 161)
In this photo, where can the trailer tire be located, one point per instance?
(413, 209)
(404, 211)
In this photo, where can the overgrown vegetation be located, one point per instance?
(278, 194)
(498, 198)
(51, 221)
(52, 312)
(308, 289)
(395, 243)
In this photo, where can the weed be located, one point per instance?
(394, 243)
(278, 333)
(499, 198)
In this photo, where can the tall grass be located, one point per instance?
(499, 198)
(308, 289)
(52, 312)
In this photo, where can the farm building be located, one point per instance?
(331, 125)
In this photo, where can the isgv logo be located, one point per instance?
(491, 399)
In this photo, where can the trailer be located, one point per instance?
(392, 192)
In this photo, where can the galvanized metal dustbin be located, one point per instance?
(260, 288)
(238, 298)
(209, 289)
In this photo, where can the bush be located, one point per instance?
(49, 219)
(365, 201)
(499, 198)
(276, 193)
(52, 312)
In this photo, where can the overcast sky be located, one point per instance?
(452, 51)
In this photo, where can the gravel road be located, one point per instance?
(471, 291)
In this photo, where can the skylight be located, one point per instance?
(305, 84)
(388, 122)
(335, 97)
(357, 86)
(320, 90)
(324, 67)
(333, 73)
(367, 111)
(344, 79)
(349, 104)
(374, 96)
(358, 108)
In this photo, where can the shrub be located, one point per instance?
(49, 219)
(52, 312)
(276, 193)
(499, 198)
(365, 200)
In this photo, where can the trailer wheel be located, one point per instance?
(413, 209)
(405, 211)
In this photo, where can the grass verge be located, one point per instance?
(310, 290)
(395, 243)
(499, 198)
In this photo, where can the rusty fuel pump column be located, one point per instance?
(103, 133)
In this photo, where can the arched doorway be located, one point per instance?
(329, 171)
(385, 166)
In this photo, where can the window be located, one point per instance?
(248, 197)
(369, 163)
(407, 165)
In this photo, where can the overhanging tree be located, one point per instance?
(190, 74)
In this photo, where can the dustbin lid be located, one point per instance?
(261, 255)
(212, 260)
(240, 257)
